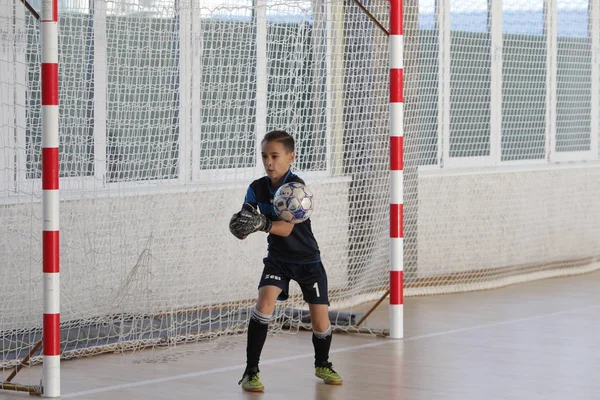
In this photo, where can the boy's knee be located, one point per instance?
(322, 334)
(265, 307)
(321, 325)
(260, 317)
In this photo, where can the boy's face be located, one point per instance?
(276, 160)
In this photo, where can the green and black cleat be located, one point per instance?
(328, 375)
(251, 381)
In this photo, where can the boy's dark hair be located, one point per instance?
(282, 137)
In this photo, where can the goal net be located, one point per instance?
(162, 108)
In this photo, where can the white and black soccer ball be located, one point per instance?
(293, 202)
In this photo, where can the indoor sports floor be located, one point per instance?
(537, 340)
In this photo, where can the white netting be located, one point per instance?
(162, 110)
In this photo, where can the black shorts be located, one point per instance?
(311, 278)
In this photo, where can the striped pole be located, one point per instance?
(50, 200)
(396, 315)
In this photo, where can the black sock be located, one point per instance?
(257, 334)
(322, 345)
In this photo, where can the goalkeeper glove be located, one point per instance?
(248, 221)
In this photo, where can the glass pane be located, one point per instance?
(469, 15)
(470, 77)
(142, 98)
(296, 84)
(427, 14)
(574, 87)
(146, 8)
(524, 59)
(521, 16)
(424, 117)
(573, 17)
(228, 82)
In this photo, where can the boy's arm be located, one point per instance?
(281, 228)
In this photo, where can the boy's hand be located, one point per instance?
(248, 221)
(234, 228)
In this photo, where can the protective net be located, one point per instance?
(163, 107)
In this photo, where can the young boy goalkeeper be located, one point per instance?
(293, 254)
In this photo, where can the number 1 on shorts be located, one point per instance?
(316, 286)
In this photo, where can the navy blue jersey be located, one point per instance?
(300, 246)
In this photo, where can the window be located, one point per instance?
(148, 94)
(524, 88)
(470, 79)
(506, 81)
(574, 73)
(142, 92)
(425, 116)
(296, 84)
(228, 89)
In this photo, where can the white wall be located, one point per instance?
(151, 252)
(476, 221)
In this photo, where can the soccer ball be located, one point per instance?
(293, 202)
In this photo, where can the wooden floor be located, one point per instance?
(537, 340)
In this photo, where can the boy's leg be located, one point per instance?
(322, 335)
(319, 316)
(313, 282)
(257, 334)
(273, 283)
(259, 324)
